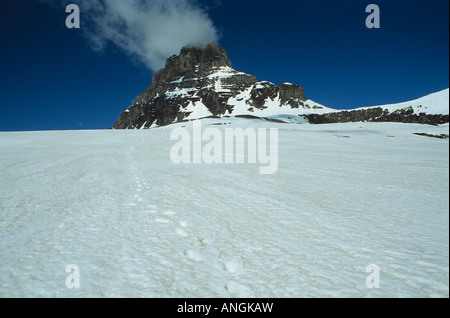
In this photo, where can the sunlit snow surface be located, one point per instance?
(137, 225)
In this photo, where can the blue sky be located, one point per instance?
(51, 78)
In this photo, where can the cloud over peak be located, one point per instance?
(149, 30)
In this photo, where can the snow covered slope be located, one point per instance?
(436, 103)
(432, 109)
(433, 104)
(272, 107)
(137, 225)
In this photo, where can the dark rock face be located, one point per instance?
(217, 103)
(261, 92)
(292, 94)
(377, 114)
(345, 116)
(192, 61)
(200, 74)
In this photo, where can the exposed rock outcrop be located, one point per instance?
(378, 114)
(292, 94)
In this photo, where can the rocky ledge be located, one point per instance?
(378, 114)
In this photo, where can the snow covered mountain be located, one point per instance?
(435, 104)
(432, 109)
(200, 82)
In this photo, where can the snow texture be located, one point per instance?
(345, 196)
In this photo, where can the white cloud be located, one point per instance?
(151, 30)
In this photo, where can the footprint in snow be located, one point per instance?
(203, 240)
(232, 267)
(181, 232)
(238, 290)
(161, 220)
(193, 255)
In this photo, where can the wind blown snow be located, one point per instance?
(137, 225)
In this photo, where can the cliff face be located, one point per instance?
(378, 114)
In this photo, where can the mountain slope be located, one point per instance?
(433, 104)
(431, 109)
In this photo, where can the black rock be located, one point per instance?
(377, 114)
(292, 95)
(261, 92)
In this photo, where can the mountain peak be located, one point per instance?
(200, 82)
(193, 59)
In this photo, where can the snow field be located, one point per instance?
(137, 225)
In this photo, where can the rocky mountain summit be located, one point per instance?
(200, 82)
